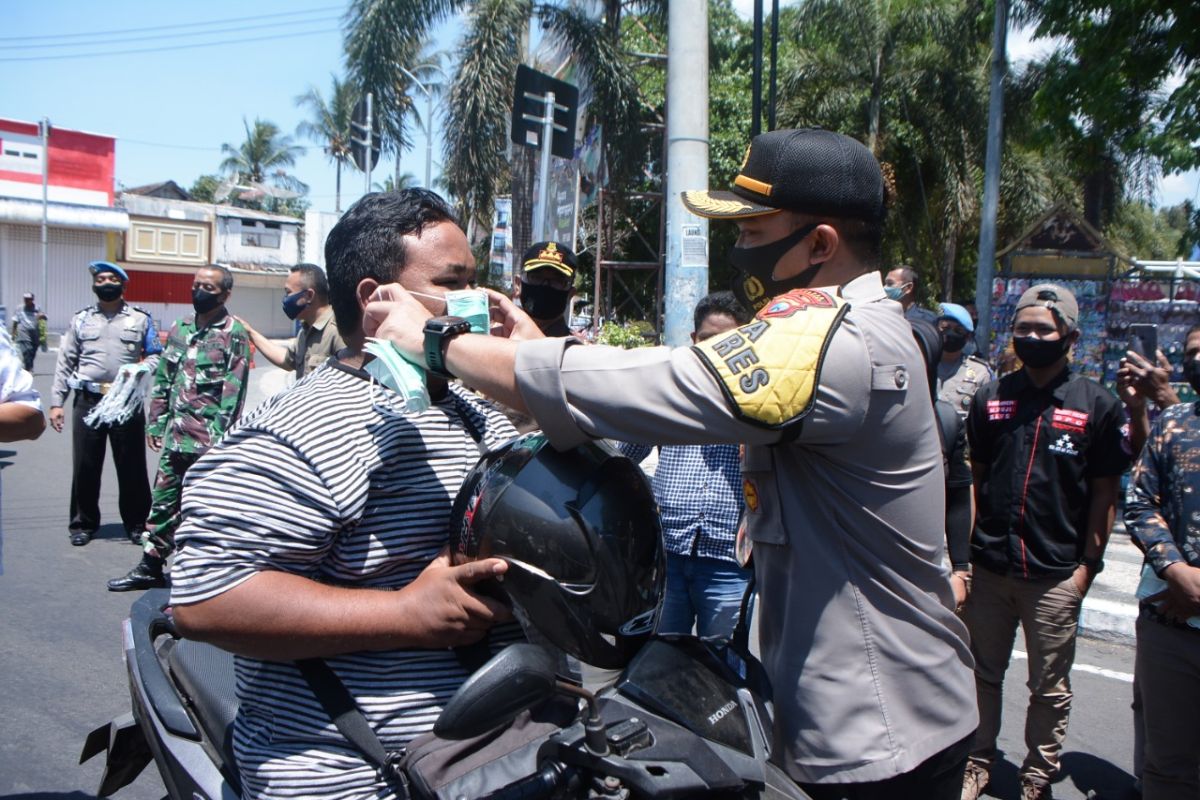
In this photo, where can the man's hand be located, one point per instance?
(1182, 597)
(445, 611)
(960, 587)
(56, 418)
(155, 442)
(1141, 380)
(1083, 578)
(509, 321)
(394, 314)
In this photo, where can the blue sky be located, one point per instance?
(172, 109)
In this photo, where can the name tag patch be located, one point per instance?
(1065, 419)
(1000, 410)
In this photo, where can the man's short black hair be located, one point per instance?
(368, 242)
(226, 275)
(722, 302)
(865, 240)
(314, 278)
(1190, 331)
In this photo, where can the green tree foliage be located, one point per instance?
(261, 163)
(1139, 231)
(329, 124)
(1125, 75)
(204, 189)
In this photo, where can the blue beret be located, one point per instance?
(96, 267)
(957, 313)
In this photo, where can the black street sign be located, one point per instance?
(358, 136)
(527, 112)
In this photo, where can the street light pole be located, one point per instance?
(428, 123)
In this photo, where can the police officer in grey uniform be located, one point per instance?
(959, 375)
(843, 481)
(101, 340)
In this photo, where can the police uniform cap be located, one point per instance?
(808, 170)
(549, 255)
(96, 267)
(957, 313)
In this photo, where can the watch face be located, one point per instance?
(443, 324)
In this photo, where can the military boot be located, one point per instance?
(148, 574)
(974, 779)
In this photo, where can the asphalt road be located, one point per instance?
(61, 662)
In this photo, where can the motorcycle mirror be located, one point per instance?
(517, 678)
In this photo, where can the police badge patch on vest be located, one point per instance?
(769, 368)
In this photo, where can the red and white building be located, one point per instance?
(79, 211)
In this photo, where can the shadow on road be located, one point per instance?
(1088, 772)
(49, 796)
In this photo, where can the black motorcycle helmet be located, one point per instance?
(581, 535)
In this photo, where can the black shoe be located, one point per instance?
(136, 536)
(148, 574)
(80, 538)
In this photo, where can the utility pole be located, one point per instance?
(44, 130)
(686, 279)
(985, 269)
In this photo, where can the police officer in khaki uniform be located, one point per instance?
(959, 376)
(102, 339)
(842, 470)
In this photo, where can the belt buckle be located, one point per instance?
(104, 387)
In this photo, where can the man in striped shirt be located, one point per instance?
(317, 529)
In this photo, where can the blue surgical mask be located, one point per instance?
(894, 292)
(292, 307)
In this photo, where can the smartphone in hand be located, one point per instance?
(1143, 340)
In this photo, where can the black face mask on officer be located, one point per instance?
(756, 285)
(204, 301)
(953, 341)
(108, 291)
(542, 301)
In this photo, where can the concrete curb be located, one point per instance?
(1105, 619)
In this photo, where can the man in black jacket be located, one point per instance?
(1047, 453)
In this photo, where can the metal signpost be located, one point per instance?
(544, 110)
(365, 139)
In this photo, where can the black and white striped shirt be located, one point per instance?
(327, 480)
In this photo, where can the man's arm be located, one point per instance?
(160, 392)
(64, 368)
(1102, 510)
(277, 616)
(280, 356)
(19, 421)
(237, 373)
(152, 347)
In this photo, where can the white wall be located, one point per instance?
(69, 282)
(228, 247)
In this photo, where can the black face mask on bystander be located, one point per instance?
(1040, 353)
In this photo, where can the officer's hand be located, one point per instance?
(509, 321)
(1182, 598)
(392, 313)
(56, 418)
(444, 607)
(958, 585)
(155, 442)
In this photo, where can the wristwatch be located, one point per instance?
(1094, 565)
(439, 331)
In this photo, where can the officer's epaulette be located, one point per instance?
(139, 308)
(979, 358)
(85, 310)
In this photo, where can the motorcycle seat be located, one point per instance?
(206, 675)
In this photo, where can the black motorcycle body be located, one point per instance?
(677, 722)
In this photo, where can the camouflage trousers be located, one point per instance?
(159, 536)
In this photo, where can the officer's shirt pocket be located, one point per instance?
(210, 372)
(764, 515)
(130, 337)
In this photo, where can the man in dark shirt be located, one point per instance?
(1162, 513)
(1047, 455)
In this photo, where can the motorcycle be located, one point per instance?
(678, 721)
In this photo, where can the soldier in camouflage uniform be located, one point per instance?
(959, 375)
(198, 394)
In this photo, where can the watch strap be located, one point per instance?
(439, 331)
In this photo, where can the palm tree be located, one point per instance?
(383, 35)
(263, 158)
(330, 125)
(395, 184)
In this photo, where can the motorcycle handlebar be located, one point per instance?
(542, 785)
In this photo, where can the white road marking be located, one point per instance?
(1124, 677)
